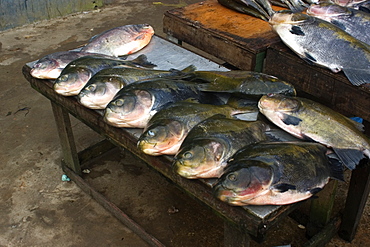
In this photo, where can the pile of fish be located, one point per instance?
(332, 35)
(286, 152)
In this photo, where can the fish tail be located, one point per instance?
(357, 76)
(142, 60)
(336, 168)
(184, 74)
(349, 157)
(190, 68)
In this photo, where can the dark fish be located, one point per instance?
(247, 83)
(310, 120)
(136, 103)
(354, 22)
(105, 84)
(121, 41)
(276, 174)
(78, 72)
(208, 145)
(240, 6)
(167, 129)
(321, 43)
(50, 66)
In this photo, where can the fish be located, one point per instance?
(320, 43)
(104, 85)
(363, 5)
(208, 145)
(51, 65)
(120, 41)
(276, 173)
(136, 103)
(243, 83)
(78, 72)
(239, 6)
(352, 21)
(167, 129)
(309, 120)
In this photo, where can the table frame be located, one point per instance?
(241, 226)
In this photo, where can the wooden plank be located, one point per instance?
(66, 138)
(358, 194)
(321, 209)
(242, 217)
(325, 235)
(233, 37)
(94, 151)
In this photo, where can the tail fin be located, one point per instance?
(142, 61)
(336, 167)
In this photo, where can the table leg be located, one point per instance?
(321, 209)
(67, 142)
(358, 193)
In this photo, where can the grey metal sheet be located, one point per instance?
(167, 55)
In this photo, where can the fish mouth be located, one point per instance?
(226, 195)
(52, 74)
(148, 148)
(65, 91)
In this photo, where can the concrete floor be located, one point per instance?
(38, 209)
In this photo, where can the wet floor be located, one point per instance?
(39, 209)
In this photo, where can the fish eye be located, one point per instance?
(119, 102)
(91, 87)
(151, 133)
(231, 177)
(290, 103)
(188, 155)
(63, 78)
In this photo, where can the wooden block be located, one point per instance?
(236, 38)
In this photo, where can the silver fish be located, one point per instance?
(121, 41)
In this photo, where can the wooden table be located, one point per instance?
(249, 43)
(241, 223)
(238, 39)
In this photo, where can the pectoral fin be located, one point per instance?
(284, 187)
(290, 120)
(315, 191)
(297, 31)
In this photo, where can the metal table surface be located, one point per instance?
(253, 220)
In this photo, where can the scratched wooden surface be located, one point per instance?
(233, 37)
